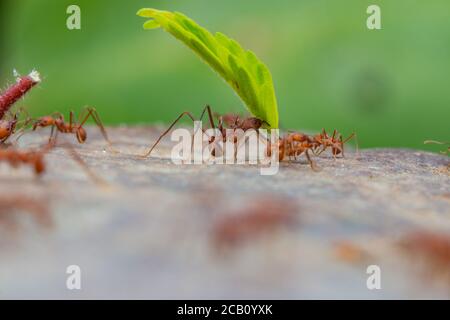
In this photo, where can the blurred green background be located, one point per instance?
(391, 86)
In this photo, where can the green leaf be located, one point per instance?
(241, 69)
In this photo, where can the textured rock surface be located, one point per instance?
(148, 232)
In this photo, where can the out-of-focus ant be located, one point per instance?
(36, 159)
(16, 158)
(262, 216)
(11, 204)
(432, 248)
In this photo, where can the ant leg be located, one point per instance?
(213, 126)
(92, 112)
(334, 134)
(71, 116)
(311, 162)
(333, 152)
(322, 150)
(167, 131)
(210, 116)
(71, 121)
(53, 136)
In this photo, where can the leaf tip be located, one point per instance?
(151, 24)
(145, 13)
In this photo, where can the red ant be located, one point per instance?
(16, 157)
(56, 121)
(295, 144)
(292, 145)
(35, 158)
(232, 121)
(335, 142)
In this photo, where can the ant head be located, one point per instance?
(81, 135)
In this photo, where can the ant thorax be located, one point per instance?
(235, 122)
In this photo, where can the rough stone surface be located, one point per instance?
(148, 232)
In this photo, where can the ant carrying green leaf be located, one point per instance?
(241, 69)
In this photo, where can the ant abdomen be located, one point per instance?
(81, 135)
